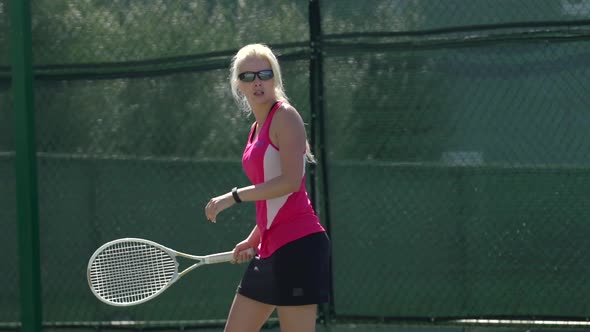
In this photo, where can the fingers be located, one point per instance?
(213, 208)
(218, 204)
(242, 256)
(210, 211)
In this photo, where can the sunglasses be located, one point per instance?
(263, 75)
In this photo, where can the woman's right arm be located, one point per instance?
(254, 238)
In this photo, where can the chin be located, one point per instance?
(261, 99)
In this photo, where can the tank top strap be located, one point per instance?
(269, 117)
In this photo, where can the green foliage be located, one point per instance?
(186, 110)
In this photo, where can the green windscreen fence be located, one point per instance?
(453, 141)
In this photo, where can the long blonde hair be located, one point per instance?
(264, 52)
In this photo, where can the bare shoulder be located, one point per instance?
(287, 125)
(287, 115)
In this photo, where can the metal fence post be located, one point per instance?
(26, 166)
(318, 178)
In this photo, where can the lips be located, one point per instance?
(258, 93)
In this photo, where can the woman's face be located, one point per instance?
(258, 91)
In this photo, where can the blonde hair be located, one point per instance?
(264, 52)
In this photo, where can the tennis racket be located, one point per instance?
(131, 271)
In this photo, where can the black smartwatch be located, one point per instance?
(234, 193)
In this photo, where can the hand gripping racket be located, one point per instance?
(131, 271)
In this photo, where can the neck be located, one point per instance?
(261, 111)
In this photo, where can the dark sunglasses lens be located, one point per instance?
(265, 75)
(247, 77)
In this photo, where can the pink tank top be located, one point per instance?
(282, 219)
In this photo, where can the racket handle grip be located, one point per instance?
(224, 257)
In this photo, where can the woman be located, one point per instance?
(290, 272)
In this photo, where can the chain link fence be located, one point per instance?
(452, 140)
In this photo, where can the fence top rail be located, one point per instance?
(7, 154)
(515, 166)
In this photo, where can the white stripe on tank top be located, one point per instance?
(272, 169)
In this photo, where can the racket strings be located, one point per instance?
(132, 279)
(135, 276)
(131, 271)
(134, 268)
(124, 271)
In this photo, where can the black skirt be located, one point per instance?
(298, 273)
